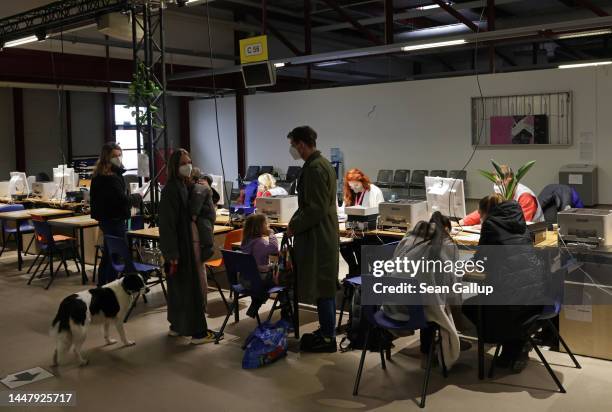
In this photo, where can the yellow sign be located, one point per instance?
(254, 49)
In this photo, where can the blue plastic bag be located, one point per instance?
(265, 345)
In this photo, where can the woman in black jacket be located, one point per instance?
(110, 202)
(517, 275)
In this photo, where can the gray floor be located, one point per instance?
(166, 374)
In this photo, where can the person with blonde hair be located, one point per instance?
(267, 186)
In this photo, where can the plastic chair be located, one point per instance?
(401, 178)
(384, 178)
(121, 260)
(379, 321)
(417, 180)
(266, 169)
(252, 173)
(7, 231)
(293, 172)
(458, 174)
(244, 265)
(438, 173)
(230, 238)
(50, 245)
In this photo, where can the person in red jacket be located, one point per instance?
(525, 197)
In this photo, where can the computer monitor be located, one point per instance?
(446, 196)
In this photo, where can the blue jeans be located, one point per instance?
(112, 227)
(326, 309)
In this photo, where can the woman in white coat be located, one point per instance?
(358, 191)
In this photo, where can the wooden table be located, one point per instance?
(152, 233)
(24, 215)
(79, 223)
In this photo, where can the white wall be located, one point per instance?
(204, 143)
(427, 125)
(7, 136)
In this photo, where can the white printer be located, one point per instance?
(402, 215)
(586, 226)
(44, 190)
(361, 217)
(278, 209)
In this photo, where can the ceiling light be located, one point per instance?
(19, 42)
(428, 7)
(584, 34)
(590, 64)
(330, 63)
(279, 65)
(433, 45)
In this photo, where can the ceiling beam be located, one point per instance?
(348, 18)
(450, 10)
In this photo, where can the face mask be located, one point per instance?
(185, 170)
(117, 161)
(294, 153)
(356, 187)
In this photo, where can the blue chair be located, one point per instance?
(238, 266)
(7, 231)
(121, 260)
(380, 322)
(50, 245)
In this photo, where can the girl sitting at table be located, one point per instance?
(259, 240)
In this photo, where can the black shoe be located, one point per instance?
(253, 309)
(317, 343)
(521, 361)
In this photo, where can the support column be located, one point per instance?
(308, 39)
(20, 161)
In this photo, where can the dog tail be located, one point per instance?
(70, 308)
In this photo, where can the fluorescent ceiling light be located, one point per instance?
(432, 6)
(433, 45)
(591, 64)
(330, 63)
(19, 42)
(584, 34)
(279, 65)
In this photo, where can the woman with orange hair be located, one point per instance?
(358, 191)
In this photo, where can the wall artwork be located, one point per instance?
(529, 129)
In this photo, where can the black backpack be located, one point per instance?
(358, 326)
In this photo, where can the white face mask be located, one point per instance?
(185, 170)
(294, 153)
(356, 187)
(117, 161)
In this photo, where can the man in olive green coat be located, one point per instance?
(315, 229)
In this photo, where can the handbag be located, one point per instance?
(283, 271)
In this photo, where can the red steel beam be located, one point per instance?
(450, 10)
(348, 18)
(595, 9)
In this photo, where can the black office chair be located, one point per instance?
(384, 178)
(401, 178)
(438, 173)
(266, 169)
(293, 172)
(252, 173)
(417, 180)
(458, 174)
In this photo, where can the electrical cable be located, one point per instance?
(59, 87)
(216, 105)
(480, 131)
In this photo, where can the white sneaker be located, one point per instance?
(173, 334)
(209, 338)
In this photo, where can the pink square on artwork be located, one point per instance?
(501, 129)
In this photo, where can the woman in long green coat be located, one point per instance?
(316, 239)
(185, 299)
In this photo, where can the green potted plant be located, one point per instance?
(142, 90)
(506, 186)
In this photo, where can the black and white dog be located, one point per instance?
(107, 304)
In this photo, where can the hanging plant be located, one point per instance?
(497, 177)
(143, 90)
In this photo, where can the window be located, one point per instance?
(125, 134)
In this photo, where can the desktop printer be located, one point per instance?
(403, 215)
(361, 218)
(589, 227)
(278, 209)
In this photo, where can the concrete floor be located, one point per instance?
(166, 374)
